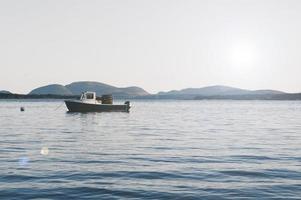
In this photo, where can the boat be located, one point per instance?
(89, 102)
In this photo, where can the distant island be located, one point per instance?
(218, 92)
(76, 88)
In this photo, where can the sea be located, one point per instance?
(161, 149)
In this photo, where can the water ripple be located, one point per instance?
(160, 150)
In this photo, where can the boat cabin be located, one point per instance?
(88, 97)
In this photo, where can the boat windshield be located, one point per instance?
(89, 96)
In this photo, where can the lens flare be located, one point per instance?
(44, 151)
(23, 161)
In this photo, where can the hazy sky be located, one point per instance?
(155, 44)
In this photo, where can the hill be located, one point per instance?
(4, 92)
(100, 88)
(54, 89)
(76, 88)
(218, 90)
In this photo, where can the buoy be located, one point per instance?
(22, 109)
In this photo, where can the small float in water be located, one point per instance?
(89, 102)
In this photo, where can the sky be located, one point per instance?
(159, 45)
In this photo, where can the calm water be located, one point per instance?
(160, 150)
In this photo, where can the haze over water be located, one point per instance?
(160, 150)
(159, 45)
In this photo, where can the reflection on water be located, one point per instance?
(161, 149)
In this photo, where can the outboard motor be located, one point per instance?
(128, 105)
